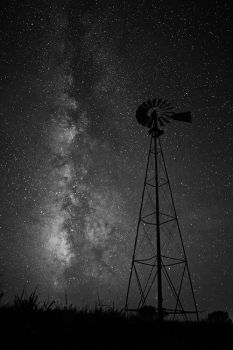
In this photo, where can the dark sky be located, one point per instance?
(73, 156)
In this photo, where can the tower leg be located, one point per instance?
(159, 268)
(181, 238)
(138, 224)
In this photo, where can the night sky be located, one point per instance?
(72, 155)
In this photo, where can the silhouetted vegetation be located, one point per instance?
(29, 323)
(219, 317)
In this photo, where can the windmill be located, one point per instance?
(160, 278)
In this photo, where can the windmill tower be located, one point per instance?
(159, 279)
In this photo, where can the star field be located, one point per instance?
(73, 156)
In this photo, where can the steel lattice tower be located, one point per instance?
(160, 281)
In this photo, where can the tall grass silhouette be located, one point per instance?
(31, 323)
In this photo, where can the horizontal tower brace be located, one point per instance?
(154, 224)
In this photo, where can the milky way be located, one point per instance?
(81, 219)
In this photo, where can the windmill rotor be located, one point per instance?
(157, 112)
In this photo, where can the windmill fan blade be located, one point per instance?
(165, 119)
(163, 103)
(159, 101)
(168, 114)
(182, 117)
(168, 105)
(161, 122)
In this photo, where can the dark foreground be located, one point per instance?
(66, 328)
(81, 330)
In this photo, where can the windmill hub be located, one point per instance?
(153, 113)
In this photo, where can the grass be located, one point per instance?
(29, 323)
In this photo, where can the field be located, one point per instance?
(27, 323)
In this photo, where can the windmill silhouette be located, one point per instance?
(160, 280)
